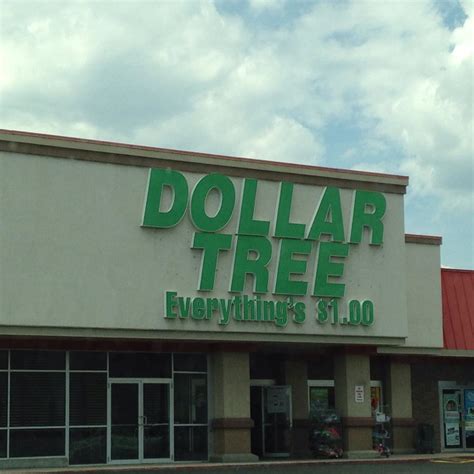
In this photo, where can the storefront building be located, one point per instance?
(167, 306)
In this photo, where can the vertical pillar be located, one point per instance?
(400, 401)
(351, 373)
(231, 422)
(296, 375)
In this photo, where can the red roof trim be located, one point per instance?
(457, 270)
(458, 308)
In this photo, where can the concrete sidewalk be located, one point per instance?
(441, 458)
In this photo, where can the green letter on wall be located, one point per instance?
(158, 179)
(287, 266)
(211, 245)
(369, 209)
(198, 202)
(329, 208)
(247, 224)
(283, 227)
(261, 247)
(326, 268)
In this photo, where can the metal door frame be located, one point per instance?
(262, 384)
(140, 422)
(283, 454)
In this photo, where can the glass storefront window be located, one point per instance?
(3, 398)
(80, 360)
(36, 442)
(33, 421)
(321, 398)
(469, 417)
(190, 416)
(87, 445)
(87, 399)
(38, 360)
(3, 443)
(190, 362)
(451, 403)
(138, 364)
(190, 399)
(3, 360)
(37, 399)
(190, 443)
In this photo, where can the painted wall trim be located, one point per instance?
(423, 239)
(425, 352)
(134, 155)
(127, 334)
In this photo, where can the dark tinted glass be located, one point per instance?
(3, 360)
(156, 442)
(87, 445)
(87, 399)
(190, 443)
(88, 360)
(3, 398)
(37, 399)
(156, 403)
(321, 368)
(38, 360)
(190, 362)
(124, 404)
(265, 366)
(190, 399)
(130, 364)
(46, 442)
(3, 443)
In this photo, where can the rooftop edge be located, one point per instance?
(116, 148)
(423, 239)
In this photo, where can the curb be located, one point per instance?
(209, 467)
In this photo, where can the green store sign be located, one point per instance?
(251, 244)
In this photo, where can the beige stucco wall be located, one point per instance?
(231, 385)
(425, 320)
(351, 370)
(73, 255)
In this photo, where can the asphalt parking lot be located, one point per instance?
(395, 465)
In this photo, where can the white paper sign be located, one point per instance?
(277, 400)
(359, 394)
(452, 434)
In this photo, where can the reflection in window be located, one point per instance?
(38, 360)
(87, 399)
(87, 445)
(190, 443)
(36, 442)
(190, 404)
(3, 443)
(139, 364)
(190, 399)
(321, 399)
(41, 406)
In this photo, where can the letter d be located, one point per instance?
(158, 179)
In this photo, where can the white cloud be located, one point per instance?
(185, 75)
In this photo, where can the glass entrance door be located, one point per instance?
(277, 420)
(156, 421)
(270, 410)
(139, 421)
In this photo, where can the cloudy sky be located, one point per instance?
(370, 85)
